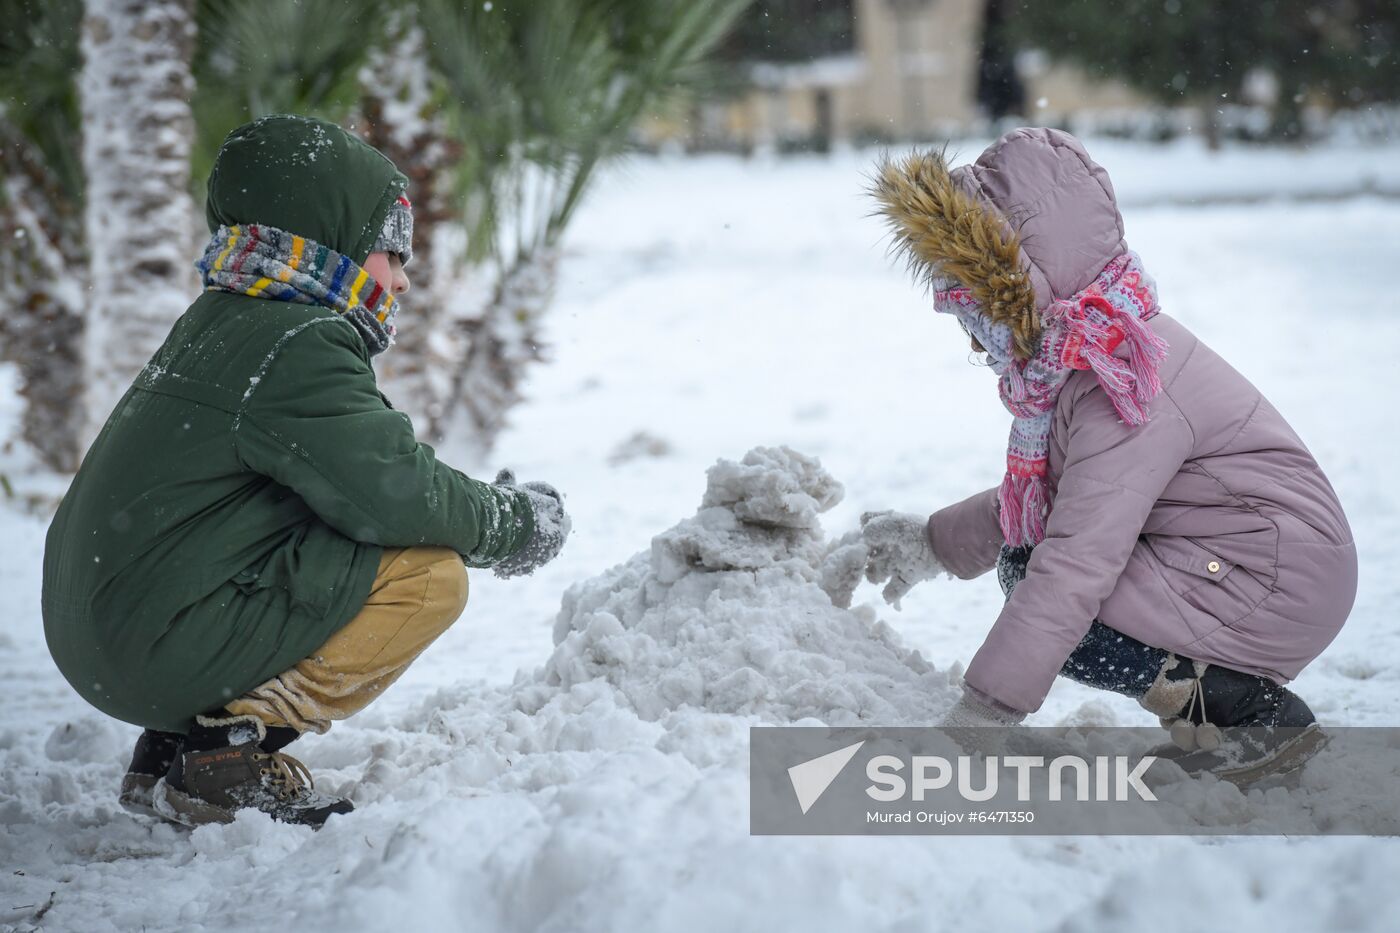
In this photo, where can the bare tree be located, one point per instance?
(138, 132)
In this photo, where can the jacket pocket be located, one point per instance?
(1186, 555)
(275, 576)
(1204, 581)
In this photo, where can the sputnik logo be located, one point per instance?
(811, 778)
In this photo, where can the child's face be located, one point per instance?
(388, 271)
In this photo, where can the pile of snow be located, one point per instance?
(738, 611)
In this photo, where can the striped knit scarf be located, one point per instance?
(1080, 332)
(265, 262)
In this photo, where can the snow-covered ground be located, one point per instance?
(716, 305)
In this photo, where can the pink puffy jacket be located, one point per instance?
(1210, 531)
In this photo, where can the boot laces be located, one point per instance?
(1198, 697)
(289, 777)
(1187, 734)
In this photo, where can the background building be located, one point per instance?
(899, 69)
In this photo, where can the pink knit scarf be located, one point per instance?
(1079, 332)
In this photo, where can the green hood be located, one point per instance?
(305, 176)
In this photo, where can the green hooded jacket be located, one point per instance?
(232, 513)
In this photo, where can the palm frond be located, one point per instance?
(256, 57)
(39, 64)
(542, 92)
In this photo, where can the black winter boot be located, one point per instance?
(150, 759)
(228, 765)
(278, 738)
(1240, 727)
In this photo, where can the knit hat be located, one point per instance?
(397, 235)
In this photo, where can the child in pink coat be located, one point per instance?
(1161, 531)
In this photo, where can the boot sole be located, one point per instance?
(179, 807)
(1286, 760)
(136, 795)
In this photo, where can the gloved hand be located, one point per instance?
(979, 724)
(552, 527)
(899, 551)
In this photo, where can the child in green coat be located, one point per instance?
(256, 544)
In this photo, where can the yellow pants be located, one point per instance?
(417, 593)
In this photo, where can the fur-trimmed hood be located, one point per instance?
(1032, 221)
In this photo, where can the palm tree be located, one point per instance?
(500, 112)
(75, 346)
(539, 94)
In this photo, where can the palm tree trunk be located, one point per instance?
(43, 280)
(400, 119)
(138, 132)
(502, 341)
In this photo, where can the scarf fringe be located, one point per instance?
(1024, 504)
(1129, 384)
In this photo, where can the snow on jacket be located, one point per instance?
(231, 515)
(1210, 531)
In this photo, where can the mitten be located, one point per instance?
(899, 551)
(552, 527)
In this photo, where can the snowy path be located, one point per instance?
(719, 306)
